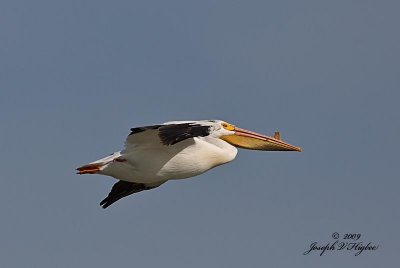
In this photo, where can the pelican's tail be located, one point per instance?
(97, 166)
(90, 168)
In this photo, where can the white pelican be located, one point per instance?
(176, 150)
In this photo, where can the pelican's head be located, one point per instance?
(251, 140)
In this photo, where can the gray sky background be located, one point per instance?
(75, 76)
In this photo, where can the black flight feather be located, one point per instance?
(174, 133)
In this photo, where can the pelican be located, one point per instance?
(176, 150)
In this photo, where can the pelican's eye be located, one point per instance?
(228, 126)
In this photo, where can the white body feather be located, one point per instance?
(152, 163)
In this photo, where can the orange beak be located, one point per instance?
(254, 141)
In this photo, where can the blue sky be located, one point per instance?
(75, 76)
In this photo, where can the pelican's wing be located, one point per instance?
(143, 136)
(122, 189)
(174, 133)
(166, 134)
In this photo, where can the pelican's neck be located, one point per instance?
(226, 151)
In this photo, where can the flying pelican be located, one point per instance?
(176, 150)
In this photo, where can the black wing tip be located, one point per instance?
(174, 133)
(136, 130)
(106, 203)
(122, 189)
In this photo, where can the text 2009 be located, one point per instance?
(354, 237)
